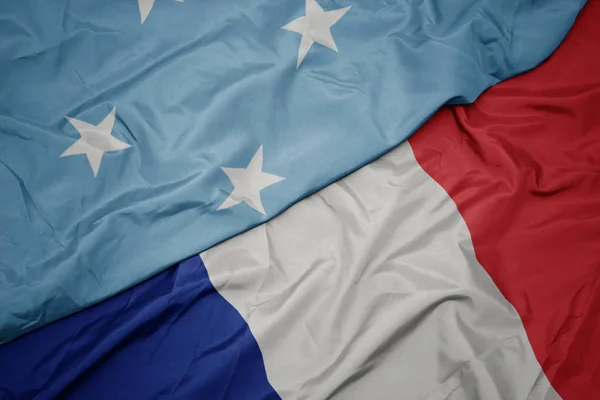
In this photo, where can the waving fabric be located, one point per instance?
(135, 134)
(462, 265)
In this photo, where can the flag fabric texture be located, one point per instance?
(136, 134)
(461, 265)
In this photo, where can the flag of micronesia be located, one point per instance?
(379, 285)
(135, 134)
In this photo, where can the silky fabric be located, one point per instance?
(172, 336)
(200, 86)
(521, 165)
(371, 288)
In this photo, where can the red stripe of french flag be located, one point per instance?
(522, 165)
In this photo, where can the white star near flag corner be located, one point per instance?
(146, 6)
(95, 140)
(248, 182)
(315, 26)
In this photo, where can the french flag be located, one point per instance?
(463, 264)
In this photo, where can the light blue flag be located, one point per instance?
(136, 133)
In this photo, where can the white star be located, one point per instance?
(315, 26)
(95, 140)
(146, 7)
(248, 182)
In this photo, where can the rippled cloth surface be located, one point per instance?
(165, 111)
(461, 265)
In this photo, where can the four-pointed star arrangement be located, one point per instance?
(247, 182)
(95, 140)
